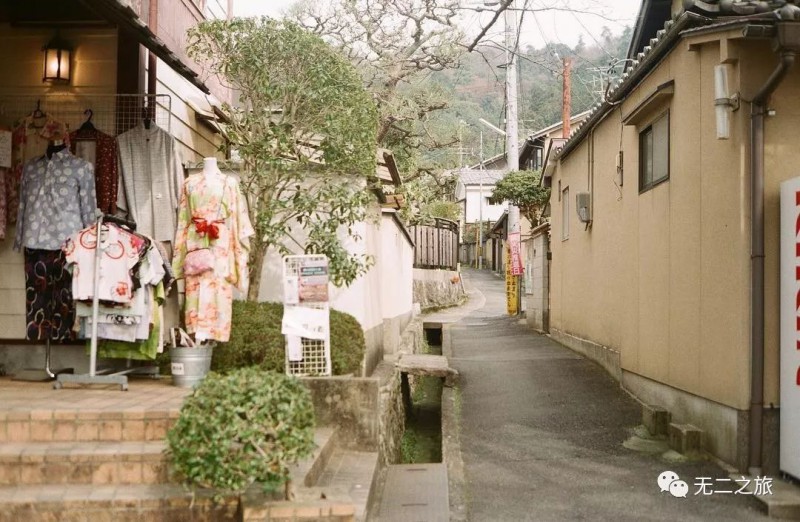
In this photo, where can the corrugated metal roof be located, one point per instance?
(473, 177)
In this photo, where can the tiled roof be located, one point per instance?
(697, 13)
(473, 177)
(784, 9)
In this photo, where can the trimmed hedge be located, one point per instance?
(256, 340)
(244, 427)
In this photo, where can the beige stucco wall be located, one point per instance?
(663, 276)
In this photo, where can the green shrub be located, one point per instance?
(256, 340)
(244, 427)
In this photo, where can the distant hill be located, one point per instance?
(476, 90)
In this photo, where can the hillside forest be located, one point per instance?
(476, 90)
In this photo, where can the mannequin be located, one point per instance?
(211, 173)
(210, 169)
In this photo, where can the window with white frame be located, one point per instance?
(565, 214)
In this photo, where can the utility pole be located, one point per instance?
(512, 154)
(480, 210)
(566, 107)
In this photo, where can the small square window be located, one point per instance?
(654, 153)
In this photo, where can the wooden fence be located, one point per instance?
(436, 246)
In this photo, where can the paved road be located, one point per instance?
(542, 431)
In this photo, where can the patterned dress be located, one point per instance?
(212, 213)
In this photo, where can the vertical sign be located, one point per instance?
(515, 245)
(512, 289)
(790, 327)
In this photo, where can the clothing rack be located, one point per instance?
(112, 114)
(103, 376)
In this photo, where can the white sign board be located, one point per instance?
(790, 327)
(306, 315)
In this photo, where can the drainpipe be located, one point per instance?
(757, 114)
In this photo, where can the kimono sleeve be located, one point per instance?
(23, 199)
(184, 218)
(241, 231)
(87, 197)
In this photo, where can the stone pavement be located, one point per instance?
(542, 430)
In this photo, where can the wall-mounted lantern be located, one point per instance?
(57, 61)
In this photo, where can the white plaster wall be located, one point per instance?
(361, 299)
(396, 269)
(490, 212)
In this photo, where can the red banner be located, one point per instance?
(514, 243)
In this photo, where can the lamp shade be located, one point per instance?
(57, 61)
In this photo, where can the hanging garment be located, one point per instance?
(4, 175)
(100, 150)
(57, 200)
(26, 144)
(50, 313)
(118, 257)
(213, 213)
(144, 350)
(150, 177)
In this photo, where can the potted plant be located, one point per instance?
(242, 428)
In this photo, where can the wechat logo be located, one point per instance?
(670, 481)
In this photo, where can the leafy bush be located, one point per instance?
(244, 427)
(256, 340)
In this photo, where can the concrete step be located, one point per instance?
(125, 503)
(780, 499)
(354, 472)
(415, 492)
(83, 425)
(307, 471)
(99, 463)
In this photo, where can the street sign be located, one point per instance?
(515, 244)
(512, 286)
(790, 328)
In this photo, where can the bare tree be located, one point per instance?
(396, 44)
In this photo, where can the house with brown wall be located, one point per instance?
(663, 278)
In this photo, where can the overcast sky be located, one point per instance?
(539, 29)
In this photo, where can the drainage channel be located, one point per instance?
(422, 439)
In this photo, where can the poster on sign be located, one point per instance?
(790, 328)
(515, 245)
(314, 281)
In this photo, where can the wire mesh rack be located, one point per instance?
(316, 353)
(112, 114)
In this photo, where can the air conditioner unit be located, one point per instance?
(583, 202)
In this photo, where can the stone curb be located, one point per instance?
(451, 442)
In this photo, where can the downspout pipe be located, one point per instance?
(757, 115)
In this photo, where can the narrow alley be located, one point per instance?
(542, 431)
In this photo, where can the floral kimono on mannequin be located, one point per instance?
(212, 214)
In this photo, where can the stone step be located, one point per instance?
(120, 503)
(307, 471)
(83, 425)
(99, 463)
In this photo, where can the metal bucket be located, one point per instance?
(190, 365)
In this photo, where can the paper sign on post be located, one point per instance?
(305, 322)
(294, 347)
(291, 290)
(314, 281)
